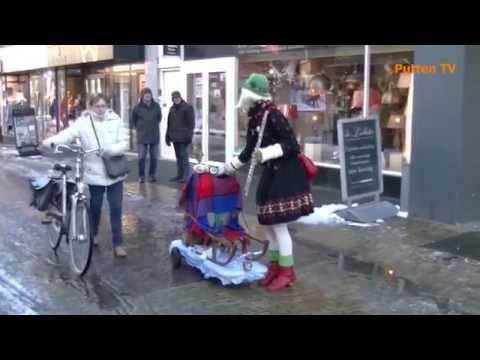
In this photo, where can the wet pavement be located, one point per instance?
(341, 269)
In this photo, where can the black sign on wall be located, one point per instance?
(360, 158)
(171, 50)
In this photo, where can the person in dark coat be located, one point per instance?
(181, 123)
(146, 117)
(283, 193)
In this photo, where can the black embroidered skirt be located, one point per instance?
(283, 193)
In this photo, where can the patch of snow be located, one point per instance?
(402, 214)
(9, 151)
(326, 215)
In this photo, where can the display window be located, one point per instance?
(395, 91)
(314, 89)
(16, 92)
(319, 85)
(42, 99)
(125, 84)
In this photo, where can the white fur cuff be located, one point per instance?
(236, 163)
(271, 152)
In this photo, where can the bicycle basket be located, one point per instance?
(43, 191)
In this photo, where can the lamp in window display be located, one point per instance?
(283, 193)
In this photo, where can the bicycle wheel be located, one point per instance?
(80, 238)
(54, 230)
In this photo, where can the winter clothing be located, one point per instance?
(146, 120)
(183, 164)
(181, 123)
(269, 153)
(115, 198)
(232, 166)
(113, 137)
(281, 258)
(285, 278)
(272, 273)
(143, 149)
(258, 84)
(283, 194)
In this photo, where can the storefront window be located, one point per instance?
(16, 94)
(74, 101)
(42, 96)
(394, 91)
(317, 85)
(314, 86)
(124, 88)
(60, 111)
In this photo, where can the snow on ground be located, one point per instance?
(326, 215)
(9, 151)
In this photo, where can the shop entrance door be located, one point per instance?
(211, 88)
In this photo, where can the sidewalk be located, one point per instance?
(384, 267)
(391, 254)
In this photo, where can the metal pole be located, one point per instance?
(366, 82)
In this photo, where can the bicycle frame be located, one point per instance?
(79, 195)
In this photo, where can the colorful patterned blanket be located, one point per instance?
(215, 204)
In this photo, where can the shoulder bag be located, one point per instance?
(115, 166)
(311, 170)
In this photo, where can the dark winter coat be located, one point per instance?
(181, 123)
(146, 120)
(283, 193)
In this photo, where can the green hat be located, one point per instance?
(258, 84)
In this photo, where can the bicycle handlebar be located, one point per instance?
(73, 148)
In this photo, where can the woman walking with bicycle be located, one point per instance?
(101, 128)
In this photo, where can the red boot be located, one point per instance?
(273, 269)
(285, 278)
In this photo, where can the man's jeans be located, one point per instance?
(183, 165)
(142, 156)
(115, 198)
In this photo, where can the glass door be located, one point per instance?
(212, 91)
(170, 81)
(195, 98)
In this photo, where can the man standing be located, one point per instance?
(181, 122)
(146, 118)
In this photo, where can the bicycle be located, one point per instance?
(69, 213)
